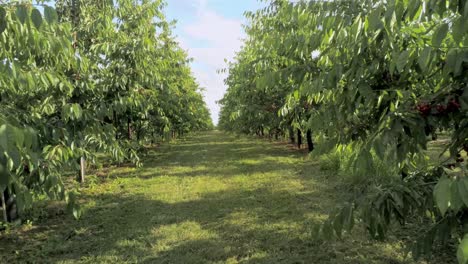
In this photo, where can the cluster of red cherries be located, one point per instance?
(439, 109)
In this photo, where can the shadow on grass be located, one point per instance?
(258, 226)
(118, 226)
(248, 225)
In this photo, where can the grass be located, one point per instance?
(211, 198)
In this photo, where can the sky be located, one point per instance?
(210, 31)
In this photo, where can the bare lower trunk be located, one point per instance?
(310, 142)
(4, 208)
(129, 128)
(299, 138)
(81, 175)
(10, 209)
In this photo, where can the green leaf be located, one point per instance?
(76, 211)
(463, 190)
(442, 193)
(296, 95)
(424, 59)
(3, 138)
(414, 8)
(21, 13)
(402, 60)
(50, 14)
(439, 35)
(379, 149)
(462, 252)
(4, 175)
(451, 60)
(19, 137)
(76, 108)
(456, 201)
(30, 139)
(458, 29)
(374, 20)
(36, 18)
(465, 11)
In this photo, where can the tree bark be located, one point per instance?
(4, 208)
(116, 124)
(129, 128)
(81, 175)
(310, 142)
(10, 209)
(299, 138)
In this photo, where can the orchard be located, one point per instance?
(342, 135)
(88, 77)
(375, 78)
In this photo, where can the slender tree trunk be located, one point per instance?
(116, 124)
(310, 142)
(4, 208)
(299, 138)
(76, 22)
(129, 128)
(10, 209)
(291, 135)
(81, 175)
(138, 131)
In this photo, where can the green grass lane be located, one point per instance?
(210, 198)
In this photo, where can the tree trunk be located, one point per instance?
(10, 209)
(291, 135)
(4, 208)
(116, 125)
(81, 175)
(139, 131)
(310, 142)
(129, 128)
(299, 138)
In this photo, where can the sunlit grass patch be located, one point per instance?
(212, 198)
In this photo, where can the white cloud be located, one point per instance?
(210, 39)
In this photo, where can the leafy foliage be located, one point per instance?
(378, 77)
(84, 80)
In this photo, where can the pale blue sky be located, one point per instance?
(210, 30)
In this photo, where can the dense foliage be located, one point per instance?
(376, 77)
(93, 76)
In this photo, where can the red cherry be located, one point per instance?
(424, 109)
(453, 106)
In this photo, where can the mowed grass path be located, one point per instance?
(211, 198)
